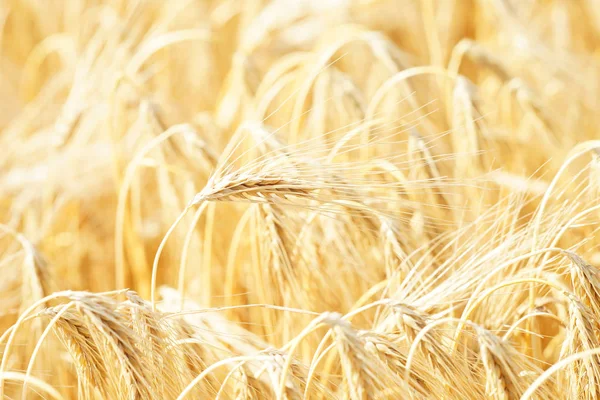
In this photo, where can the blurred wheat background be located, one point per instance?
(299, 199)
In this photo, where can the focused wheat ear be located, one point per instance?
(507, 373)
(580, 336)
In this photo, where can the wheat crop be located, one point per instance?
(299, 199)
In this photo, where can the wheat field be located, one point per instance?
(299, 199)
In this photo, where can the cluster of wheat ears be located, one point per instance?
(299, 199)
